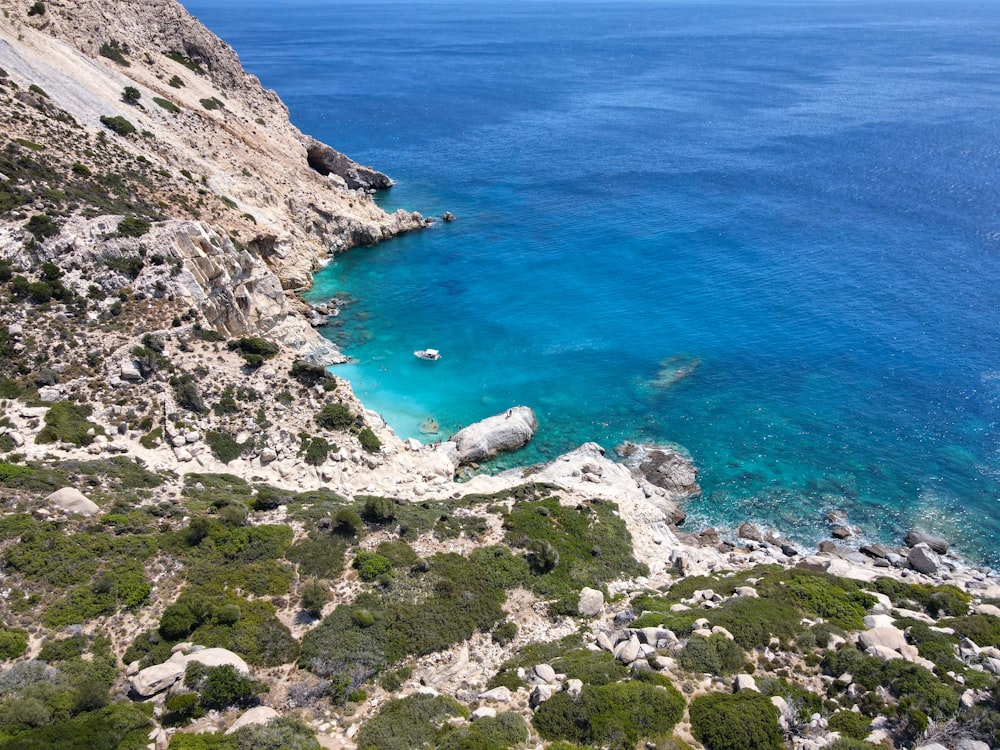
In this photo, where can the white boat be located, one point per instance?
(431, 354)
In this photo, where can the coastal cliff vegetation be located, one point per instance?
(207, 542)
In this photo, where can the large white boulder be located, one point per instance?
(157, 678)
(502, 432)
(256, 715)
(72, 501)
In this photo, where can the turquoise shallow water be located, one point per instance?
(794, 206)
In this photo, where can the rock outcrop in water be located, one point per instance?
(502, 432)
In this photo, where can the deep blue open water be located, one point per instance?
(769, 232)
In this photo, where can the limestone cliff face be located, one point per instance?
(213, 144)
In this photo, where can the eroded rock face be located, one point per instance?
(662, 466)
(502, 432)
(327, 161)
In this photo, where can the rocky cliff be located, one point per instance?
(135, 110)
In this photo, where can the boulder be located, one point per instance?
(923, 559)
(545, 673)
(628, 651)
(744, 682)
(217, 657)
(539, 695)
(750, 532)
(499, 694)
(662, 466)
(256, 715)
(72, 501)
(936, 543)
(483, 712)
(886, 636)
(157, 678)
(574, 688)
(591, 602)
(502, 432)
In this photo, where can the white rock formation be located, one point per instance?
(72, 500)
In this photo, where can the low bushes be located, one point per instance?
(335, 416)
(408, 723)
(572, 547)
(67, 422)
(616, 715)
(713, 655)
(741, 721)
(118, 124)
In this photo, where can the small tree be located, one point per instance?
(131, 95)
(314, 596)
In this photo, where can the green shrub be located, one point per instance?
(189, 396)
(316, 450)
(223, 445)
(37, 8)
(67, 422)
(370, 565)
(166, 103)
(616, 715)
(118, 124)
(314, 596)
(320, 555)
(253, 349)
(221, 687)
(408, 723)
(347, 522)
(498, 732)
(369, 440)
(212, 103)
(850, 724)
(753, 622)
(13, 643)
(335, 416)
(113, 51)
(131, 95)
(133, 226)
(308, 374)
(590, 543)
(379, 509)
(186, 61)
(715, 655)
(983, 630)
(504, 633)
(741, 721)
(838, 600)
(42, 227)
(176, 81)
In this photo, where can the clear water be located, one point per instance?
(794, 206)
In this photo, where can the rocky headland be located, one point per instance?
(207, 541)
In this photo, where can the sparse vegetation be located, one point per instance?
(118, 124)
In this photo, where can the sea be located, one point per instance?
(766, 232)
